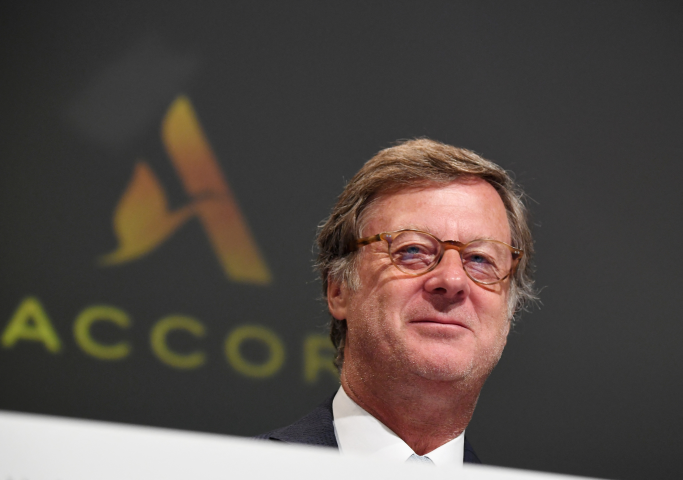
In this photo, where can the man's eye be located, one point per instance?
(412, 250)
(478, 259)
(413, 256)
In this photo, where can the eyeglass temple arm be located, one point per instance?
(365, 241)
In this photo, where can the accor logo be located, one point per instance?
(142, 219)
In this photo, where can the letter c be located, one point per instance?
(168, 356)
(101, 313)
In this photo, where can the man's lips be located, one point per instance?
(441, 321)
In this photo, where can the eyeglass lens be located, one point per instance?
(483, 260)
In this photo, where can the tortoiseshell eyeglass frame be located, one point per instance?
(444, 245)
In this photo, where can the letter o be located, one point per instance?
(262, 334)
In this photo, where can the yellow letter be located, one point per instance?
(30, 322)
(168, 356)
(101, 313)
(216, 205)
(252, 332)
(314, 361)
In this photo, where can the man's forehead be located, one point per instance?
(471, 208)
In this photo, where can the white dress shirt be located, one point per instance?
(359, 433)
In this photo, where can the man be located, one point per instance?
(424, 261)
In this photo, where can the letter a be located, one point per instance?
(30, 322)
(216, 205)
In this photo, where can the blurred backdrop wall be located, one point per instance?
(165, 164)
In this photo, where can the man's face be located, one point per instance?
(441, 325)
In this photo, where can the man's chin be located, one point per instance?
(443, 368)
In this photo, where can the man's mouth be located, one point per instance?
(448, 322)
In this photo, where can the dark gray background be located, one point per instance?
(582, 100)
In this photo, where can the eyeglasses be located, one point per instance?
(414, 252)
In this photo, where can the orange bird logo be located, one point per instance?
(143, 220)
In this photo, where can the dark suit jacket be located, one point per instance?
(317, 428)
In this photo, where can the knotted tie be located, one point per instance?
(415, 458)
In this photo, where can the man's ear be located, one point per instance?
(337, 299)
(508, 327)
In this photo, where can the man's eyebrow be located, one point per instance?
(422, 228)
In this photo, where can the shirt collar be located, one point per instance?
(359, 433)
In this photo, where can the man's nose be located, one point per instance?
(449, 279)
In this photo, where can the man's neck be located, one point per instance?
(424, 413)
